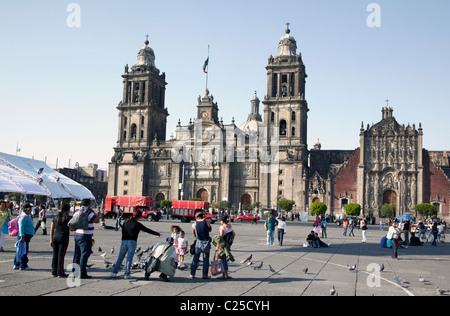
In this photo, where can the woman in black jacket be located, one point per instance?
(59, 240)
(130, 232)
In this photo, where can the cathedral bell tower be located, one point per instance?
(285, 107)
(285, 118)
(142, 114)
(142, 123)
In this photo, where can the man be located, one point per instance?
(201, 229)
(269, 225)
(393, 234)
(83, 239)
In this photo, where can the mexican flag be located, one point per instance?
(205, 65)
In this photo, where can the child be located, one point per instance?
(182, 248)
(175, 234)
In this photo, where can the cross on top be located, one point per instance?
(287, 28)
(146, 39)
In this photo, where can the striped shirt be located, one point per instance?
(91, 218)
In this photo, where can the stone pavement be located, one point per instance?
(327, 267)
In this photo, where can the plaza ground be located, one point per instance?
(327, 267)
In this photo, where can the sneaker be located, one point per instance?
(126, 276)
(113, 275)
(26, 269)
(15, 267)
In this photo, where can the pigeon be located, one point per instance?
(421, 279)
(259, 266)
(112, 250)
(148, 249)
(100, 249)
(107, 263)
(382, 268)
(305, 270)
(272, 269)
(399, 280)
(333, 291)
(352, 268)
(249, 263)
(103, 255)
(248, 259)
(137, 250)
(439, 291)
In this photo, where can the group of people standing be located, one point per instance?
(131, 227)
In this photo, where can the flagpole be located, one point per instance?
(207, 72)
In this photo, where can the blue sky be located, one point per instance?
(60, 86)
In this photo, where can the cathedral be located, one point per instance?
(266, 158)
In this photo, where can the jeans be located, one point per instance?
(83, 249)
(22, 261)
(280, 236)
(270, 237)
(315, 243)
(195, 261)
(421, 232)
(394, 248)
(324, 232)
(127, 247)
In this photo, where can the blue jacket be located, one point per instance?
(26, 225)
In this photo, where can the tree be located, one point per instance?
(388, 210)
(426, 209)
(353, 209)
(318, 208)
(286, 205)
(166, 204)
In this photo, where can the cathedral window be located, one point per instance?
(124, 135)
(283, 128)
(272, 117)
(133, 131)
(293, 132)
(293, 116)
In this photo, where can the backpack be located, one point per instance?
(13, 226)
(80, 220)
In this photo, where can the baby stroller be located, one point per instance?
(162, 259)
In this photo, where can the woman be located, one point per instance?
(434, 231)
(26, 232)
(364, 230)
(130, 232)
(281, 230)
(227, 233)
(59, 240)
(393, 235)
(5, 217)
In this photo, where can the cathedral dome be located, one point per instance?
(146, 55)
(252, 126)
(287, 45)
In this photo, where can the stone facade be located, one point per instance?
(266, 158)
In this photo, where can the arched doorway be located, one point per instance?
(316, 199)
(390, 197)
(203, 195)
(159, 197)
(246, 199)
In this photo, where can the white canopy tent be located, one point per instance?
(29, 176)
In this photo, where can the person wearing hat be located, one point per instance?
(26, 232)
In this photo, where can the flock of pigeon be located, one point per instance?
(350, 268)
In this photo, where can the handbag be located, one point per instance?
(80, 220)
(217, 266)
(5, 229)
